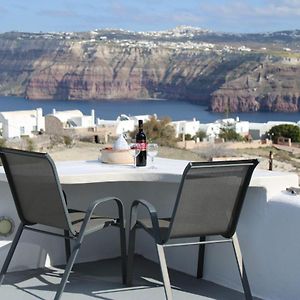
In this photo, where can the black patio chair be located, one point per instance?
(209, 202)
(39, 199)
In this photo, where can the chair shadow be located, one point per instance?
(150, 275)
(95, 279)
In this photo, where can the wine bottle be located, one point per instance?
(141, 159)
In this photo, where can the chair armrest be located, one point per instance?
(98, 202)
(152, 212)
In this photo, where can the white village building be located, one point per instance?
(144, 118)
(211, 130)
(260, 130)
(186, 127)
(119, 126)
(242, 127)
(14, 124)
(59, 121)
(123, 123)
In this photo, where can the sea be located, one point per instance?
(111, 109)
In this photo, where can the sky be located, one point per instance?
(149, 15)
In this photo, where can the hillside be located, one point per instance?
(247, 72)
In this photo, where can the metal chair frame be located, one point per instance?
(69, 234)
(230, 236)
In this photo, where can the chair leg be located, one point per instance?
(123, 253)
(68, 269)
(201, 253)
(67, 245)
(11, 252)
(130, 258)
(242, 270)
(164, 271)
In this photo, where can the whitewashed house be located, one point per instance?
(212, 130)
(59, 121)
(14, 124)
(186, 127)
(144, 118)
(242, 128)
(123, 123)
(228, 122)
(260, 130)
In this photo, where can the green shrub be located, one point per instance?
(68, 141)
(55, 140)
(187, 137)
(230, 135)
(2, 142)
(285, 130)
(201, 135)
(30, 145)
(158, 131)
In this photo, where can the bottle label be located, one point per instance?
(142, 146)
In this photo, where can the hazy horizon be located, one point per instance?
(232, 16)
(161, 30)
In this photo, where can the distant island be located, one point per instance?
(224, 71)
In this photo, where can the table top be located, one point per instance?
(166, 170)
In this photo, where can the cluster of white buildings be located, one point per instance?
(212, 130)
(15, 124)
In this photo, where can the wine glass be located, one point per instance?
(134, 151)
(152, 150)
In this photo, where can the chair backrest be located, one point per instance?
(35, 188)
(210, 198)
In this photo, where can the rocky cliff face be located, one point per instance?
(265, 87)
(74, 69)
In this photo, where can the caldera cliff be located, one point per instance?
(67, 67)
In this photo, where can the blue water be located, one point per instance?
(110, 110)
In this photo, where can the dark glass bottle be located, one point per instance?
(141, 159)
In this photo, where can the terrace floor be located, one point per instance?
(102, 280)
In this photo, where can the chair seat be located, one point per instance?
(163, 223)
(95, 223)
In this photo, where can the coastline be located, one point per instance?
(110, 109)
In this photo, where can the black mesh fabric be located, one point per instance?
(37, 193)
(210, 200)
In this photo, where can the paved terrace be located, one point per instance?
(102, 280)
